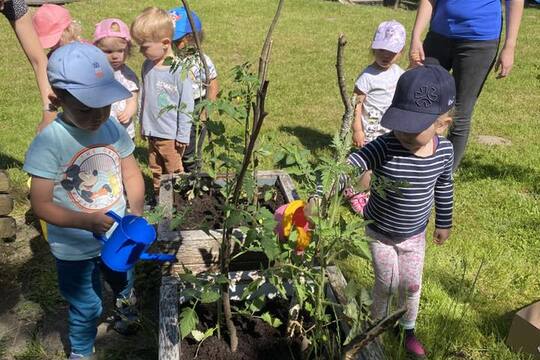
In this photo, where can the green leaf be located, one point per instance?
(188, 321)
(270, 247)
(198, 335)
(208, 297)
(274, 322)
(168, 61)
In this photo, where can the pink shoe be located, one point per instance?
(358, 201)
(414, 347)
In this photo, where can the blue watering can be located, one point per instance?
(129, 242)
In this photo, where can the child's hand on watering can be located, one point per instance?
(98, 222)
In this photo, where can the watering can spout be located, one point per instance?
(158, 257)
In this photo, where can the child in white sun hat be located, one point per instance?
(374, 90)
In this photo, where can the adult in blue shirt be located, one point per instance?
(464, 36)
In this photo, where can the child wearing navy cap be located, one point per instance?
(80, 165)
(418, 162)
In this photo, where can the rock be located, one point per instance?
(493, 140)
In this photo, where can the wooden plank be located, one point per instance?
(169, 336)
(4, 182)
(8, 227)
(6, 204)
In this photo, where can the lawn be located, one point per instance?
(497, 200)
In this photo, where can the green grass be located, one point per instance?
(497, 201)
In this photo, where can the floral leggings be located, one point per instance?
(398, 268)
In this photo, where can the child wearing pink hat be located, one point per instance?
(113, 38)
(55, 27)
(374, 90)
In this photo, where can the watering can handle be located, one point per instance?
(117, 218)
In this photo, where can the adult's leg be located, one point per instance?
(411, 263)
(385, 267)
(79, 283)
(473, 61)
(440, 48)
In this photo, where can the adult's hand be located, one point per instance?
(416, 53)
(505, 62)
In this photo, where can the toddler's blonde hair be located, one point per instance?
(116, 40)
(72, 33)
(153, 24)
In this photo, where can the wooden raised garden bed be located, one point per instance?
(198, 251)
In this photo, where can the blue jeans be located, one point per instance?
(80, 285)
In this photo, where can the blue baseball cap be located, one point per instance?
(422, 95)
(84, 71)
(182, 27)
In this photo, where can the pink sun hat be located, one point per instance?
(50, 21)
(111, 28)
(390, 35)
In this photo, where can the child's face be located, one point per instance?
(385, 58)
(80, 115)
(182, 43)
(155, 50)
(115, 49)
(414, 142)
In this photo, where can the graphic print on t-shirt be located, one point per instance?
(166, 92)
(93, 178)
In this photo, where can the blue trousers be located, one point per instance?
(80, 285)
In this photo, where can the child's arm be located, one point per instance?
(213, 89)
(133, 184)
(131, 108)
(357, 126)
(444, 200)
(41, 198)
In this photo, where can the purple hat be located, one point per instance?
(390, 35)
(422, 95)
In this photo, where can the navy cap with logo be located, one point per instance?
(422, 95)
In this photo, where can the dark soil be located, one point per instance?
(257, 340)
(205, 211)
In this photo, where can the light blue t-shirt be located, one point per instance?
(162, 89)
(86, 169)
(467, 19)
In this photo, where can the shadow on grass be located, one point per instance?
(311, 139)
(480, 167)
(7, 161)
(141, 154)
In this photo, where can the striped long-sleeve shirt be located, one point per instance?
(405, 208)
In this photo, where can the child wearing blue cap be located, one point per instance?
(80, 165)
(183, 37)
(418, 162)
(167, 98)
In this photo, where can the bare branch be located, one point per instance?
(356, 345)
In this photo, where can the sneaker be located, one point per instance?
(358, 201)
(413, 346)
(126, 318)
